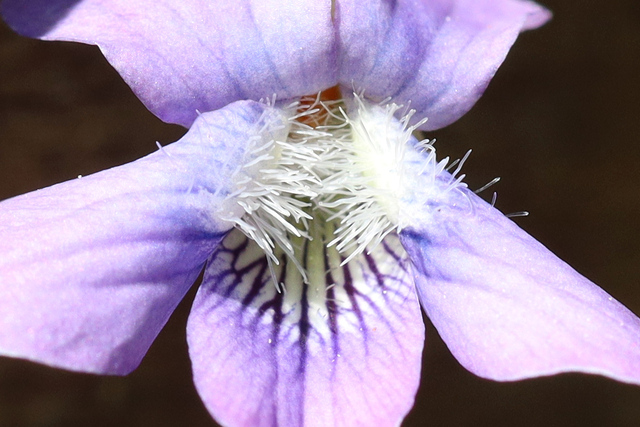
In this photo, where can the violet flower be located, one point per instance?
(354, 219)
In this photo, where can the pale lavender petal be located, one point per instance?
(343, 355)
(507, 307)
(437, 55)
(91, 269)
(183, 56)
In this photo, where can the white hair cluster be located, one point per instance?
(317, 162)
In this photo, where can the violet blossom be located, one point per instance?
(322, 226)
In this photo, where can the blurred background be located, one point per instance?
(559, 123)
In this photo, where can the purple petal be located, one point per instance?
(183, 56)
(507, 307)
(437, 55)
(342, 355)
(91, 269)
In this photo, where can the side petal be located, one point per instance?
(183, 56)
(91, 269)
(438, 56)
(316, 355)
(510, 309)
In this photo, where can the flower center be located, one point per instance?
(354, 174)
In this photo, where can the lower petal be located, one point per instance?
(510, 309)
(343, 350)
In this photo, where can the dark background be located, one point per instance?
(559, 124)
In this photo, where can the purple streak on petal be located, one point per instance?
(91, 269)
(507, 307)
(346, 355)
(183, 56)
(437, 55)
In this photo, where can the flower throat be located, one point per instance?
(312, 163)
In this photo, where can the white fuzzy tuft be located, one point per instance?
(356, 173)
(275, 185)
(368, 181)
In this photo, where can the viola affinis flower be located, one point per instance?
(321, 223)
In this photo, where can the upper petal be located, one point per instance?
(510, 309)
(343, 350)
(437, 55)
(91, 269)
(183, 56)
